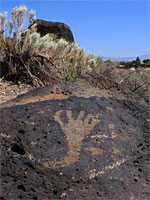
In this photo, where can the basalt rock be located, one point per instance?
(61, 30)
(58, 145)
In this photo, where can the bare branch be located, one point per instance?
(41, 56)
(143, 83)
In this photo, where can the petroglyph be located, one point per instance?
(110, 109)
(95, 151)
(93, 172)
(115, 150)
(111, 128)
(75, 131)
(99, 136)
(83, 162)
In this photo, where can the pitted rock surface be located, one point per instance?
(80, 88)
(74, 147)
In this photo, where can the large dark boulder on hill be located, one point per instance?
(61, 30)
(58, 145)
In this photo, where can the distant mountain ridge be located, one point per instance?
(142, 57)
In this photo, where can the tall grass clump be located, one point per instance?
(17, 60)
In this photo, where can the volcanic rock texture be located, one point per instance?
(74, 141)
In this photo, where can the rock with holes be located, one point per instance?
(56, 145)
(59, 29)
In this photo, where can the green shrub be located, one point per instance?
(128, 65)
(137, 62)
(146, 61)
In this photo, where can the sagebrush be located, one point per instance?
(27, 57)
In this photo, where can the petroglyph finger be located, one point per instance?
(81, 115)
(57, 117)
(69, 114)
(89, 116)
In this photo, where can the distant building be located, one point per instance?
(120, 66)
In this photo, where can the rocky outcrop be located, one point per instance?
(73, 142)
(61, 30)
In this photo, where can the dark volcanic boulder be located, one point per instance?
(61, 30)
(73, 148)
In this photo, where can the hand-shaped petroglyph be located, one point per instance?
(75, 131)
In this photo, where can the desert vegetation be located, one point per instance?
(26, 57)
(137, 63)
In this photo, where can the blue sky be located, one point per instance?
(107, 28)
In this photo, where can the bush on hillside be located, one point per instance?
(146, 61)
(27, 57)
(137, 62)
